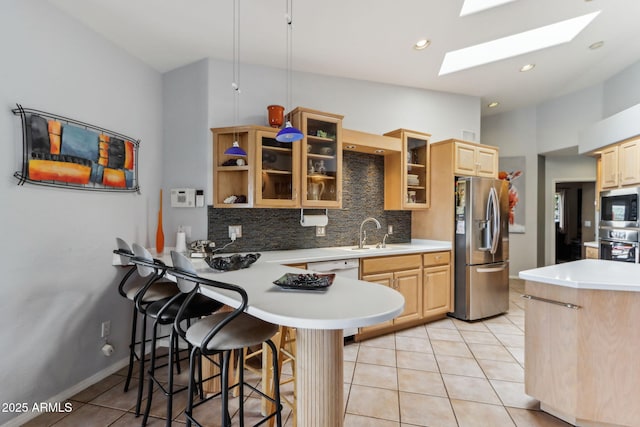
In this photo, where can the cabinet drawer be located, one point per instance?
(436, 258)
(390, 263)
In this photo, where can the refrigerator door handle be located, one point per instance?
(493, 214)
(491, 269)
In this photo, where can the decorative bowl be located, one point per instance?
(233, 262)
(305, 282)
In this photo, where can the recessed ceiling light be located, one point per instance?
(527, 67)
(493, 104)
(596, 45)
(474, 6)
(422, 44)
(514, 45)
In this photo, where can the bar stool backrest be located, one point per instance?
(124, 251)
(189, 281)
(145, 261)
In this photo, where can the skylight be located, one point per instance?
(516, 44)
(474, 6)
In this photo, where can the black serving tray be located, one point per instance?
(305, 282)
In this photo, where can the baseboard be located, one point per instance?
(70, 392)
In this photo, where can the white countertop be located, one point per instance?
(346, 252)
(589, 274)
(593, 244)
(347, 303)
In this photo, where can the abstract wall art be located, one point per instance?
(62, 152)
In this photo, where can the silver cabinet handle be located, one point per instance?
(550, 301)
(490, 269)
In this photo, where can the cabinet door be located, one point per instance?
(437, 290)
(277, 172)
(416, 174)
(409, 284)
(552, 352)
(487, 162)
(464, 159)
(609, 167)
(321, 160)
(629, 162)
(385, 279)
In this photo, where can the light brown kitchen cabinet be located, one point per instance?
(277, 177)
(620, 164)
(591, 253)
(471, 159)
(586, 371)
(407, 174)
(436, 275)
(423, 279)
(402, 273)
(321, 157)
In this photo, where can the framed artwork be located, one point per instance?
(512, 169)
(61, 152)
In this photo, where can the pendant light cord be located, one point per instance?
(289, 20)
(235, 84)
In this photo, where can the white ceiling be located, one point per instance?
(372, 40)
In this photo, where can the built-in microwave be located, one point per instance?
(619, 208)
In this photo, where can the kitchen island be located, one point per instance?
(582, 341)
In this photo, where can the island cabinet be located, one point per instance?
(581, 353)
(407, 175)
(321, 157)
(426, 298)
(620, 164)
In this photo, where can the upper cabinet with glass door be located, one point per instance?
(321, 154)
(277, 171)
(407, 175)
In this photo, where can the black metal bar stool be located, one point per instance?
(157, 288)
(223, 333)
(163, 312)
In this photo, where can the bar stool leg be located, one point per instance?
(132, 348)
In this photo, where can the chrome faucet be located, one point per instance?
(383, 244)
(362, 237)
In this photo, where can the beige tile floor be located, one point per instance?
(445, 374)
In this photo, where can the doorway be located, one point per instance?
(574, 217)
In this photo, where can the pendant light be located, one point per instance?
(289, 133)
(235, 149)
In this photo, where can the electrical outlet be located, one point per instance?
(106, 329)
(389, 229)
(321, 231)
(235, 230)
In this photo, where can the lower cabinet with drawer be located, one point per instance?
(424, 280)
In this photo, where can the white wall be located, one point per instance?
(515, 133)
(58, 282)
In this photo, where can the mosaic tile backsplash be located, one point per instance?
(278, 229)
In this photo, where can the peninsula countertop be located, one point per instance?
(593, 274)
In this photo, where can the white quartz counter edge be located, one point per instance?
(593, 274)
(593, 244)
(293, 256)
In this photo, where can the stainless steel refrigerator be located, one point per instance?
(481, 248)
